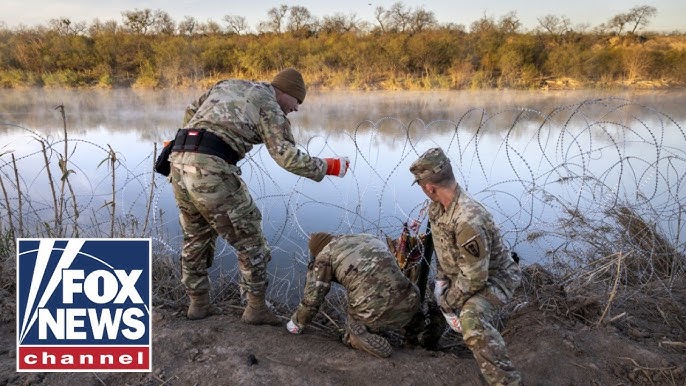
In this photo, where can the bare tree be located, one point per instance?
(107, 26)
(188, 26)
(163, 23)
(509, 23)
(144, 21)
(300, 19)
(210, 27)
(398, 17)
(555, 25)
(379, 15)
(236, 24)
(138, 21)
(640, 16)
(64, 26)
(275, 19)
(484, 25)
(618, 22)
(339, 23)
(422, 19)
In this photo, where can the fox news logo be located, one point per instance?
(84, 305)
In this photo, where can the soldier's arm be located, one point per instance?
(276, 132)
(474, 248)
(319, 276)
(440, 273)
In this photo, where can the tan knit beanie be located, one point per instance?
(318, 241)
(291, 82)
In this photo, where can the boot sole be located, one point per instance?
(362, 339)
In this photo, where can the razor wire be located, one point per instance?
(558, 182)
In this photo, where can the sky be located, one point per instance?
(670, 13)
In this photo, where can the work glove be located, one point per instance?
(453, 321)
(293, 328)
(337, 166)
(439, 289)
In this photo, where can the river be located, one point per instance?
(532, 158)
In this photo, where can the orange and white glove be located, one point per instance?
(293, 328)
(337, 166)
(453, 321)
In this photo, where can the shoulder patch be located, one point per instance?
(472, 247)
(471, 240)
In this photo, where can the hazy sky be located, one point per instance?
(671, 13)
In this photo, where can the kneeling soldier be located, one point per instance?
(380, 297)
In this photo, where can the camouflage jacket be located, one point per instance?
(366, 268)
(470, 250)
(243, 114)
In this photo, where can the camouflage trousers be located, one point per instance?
(215, 201)
(484, 340)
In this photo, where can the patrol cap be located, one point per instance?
(428, 164)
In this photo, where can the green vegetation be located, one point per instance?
(403, 48)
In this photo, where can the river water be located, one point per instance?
(530, 157)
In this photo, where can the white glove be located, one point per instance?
(453, 321)
(439, 289)
(337, 166)
(293, 328)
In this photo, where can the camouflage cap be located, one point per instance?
(429, 163)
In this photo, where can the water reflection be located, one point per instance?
(531, 158)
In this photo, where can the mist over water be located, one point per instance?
(155, 113)
(527, 156)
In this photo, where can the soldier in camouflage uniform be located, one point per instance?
(213, 199)
(380, 297)
(476, 274)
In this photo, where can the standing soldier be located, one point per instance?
(380, 297)
(476, 274)
(219, 129)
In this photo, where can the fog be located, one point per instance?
(155, 114)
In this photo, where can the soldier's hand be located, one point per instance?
(337, 166)
(293, 328)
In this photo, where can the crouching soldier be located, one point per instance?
(476, 274)
(380, 297)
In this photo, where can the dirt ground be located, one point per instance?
(555, 336)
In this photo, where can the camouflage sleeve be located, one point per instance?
(276, 133)
(194, 106)
(440, 273)
(473, 262)
(319, 276)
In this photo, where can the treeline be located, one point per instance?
(404, 48)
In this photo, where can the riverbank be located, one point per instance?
(556, 334)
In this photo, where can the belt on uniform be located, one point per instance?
(205, 142)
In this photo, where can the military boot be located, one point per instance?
(357, 336)
(256, 312)
(200, 307)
